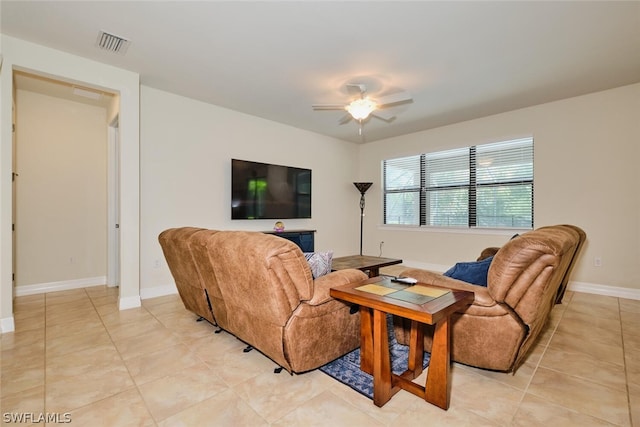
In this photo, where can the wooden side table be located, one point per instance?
(371, 264)
(373, 297)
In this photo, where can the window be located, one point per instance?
(483, 186)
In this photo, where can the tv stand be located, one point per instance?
(303, 238)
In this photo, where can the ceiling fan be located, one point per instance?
(364, 106)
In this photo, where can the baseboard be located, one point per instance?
(126, 303)
(7, 325)
(611, 291)
(41, 288)
(158, 291)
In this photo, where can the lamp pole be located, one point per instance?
(362, 188)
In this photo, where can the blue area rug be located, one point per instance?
(346, 369)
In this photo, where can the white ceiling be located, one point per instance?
(459, 60)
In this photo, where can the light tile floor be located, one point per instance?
(73, 352)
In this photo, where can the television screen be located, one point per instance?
(267, 191)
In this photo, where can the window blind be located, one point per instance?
(504, 183)
(402, 179)
(489, 185)
(446, 201)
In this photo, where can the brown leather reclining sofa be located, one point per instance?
(526, 277)
(259, 287)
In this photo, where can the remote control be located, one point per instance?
(408, 280)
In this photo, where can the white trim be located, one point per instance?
(7, 325)
(129, 302)
(113, 206)
(158, 291)
(41, 288)
(612, 291)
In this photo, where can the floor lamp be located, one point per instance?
(362, 188)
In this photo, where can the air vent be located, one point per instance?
(112, 43)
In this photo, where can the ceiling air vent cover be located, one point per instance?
(112, 43)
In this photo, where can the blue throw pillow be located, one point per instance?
(471, 272)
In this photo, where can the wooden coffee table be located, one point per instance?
(372, 264)
(375, 301)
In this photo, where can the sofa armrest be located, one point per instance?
(323, 284)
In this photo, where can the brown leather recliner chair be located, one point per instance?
(175, 246)
(487, 252)
(273, 303)
(197, 244)
(262, 291)
(524, 282)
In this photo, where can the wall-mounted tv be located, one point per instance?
(268, 191)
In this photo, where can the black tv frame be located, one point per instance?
(279, 191)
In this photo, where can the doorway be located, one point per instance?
(69, 246)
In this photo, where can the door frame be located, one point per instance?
(113, 204)
(23, 56)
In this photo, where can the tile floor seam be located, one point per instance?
(8, 396)
(539, 361)
(115, 347)
(587, 379)
(538, 365)
(390, 423)
(575, 411)
(626, 371)
(578, 377)
(233, 390)
(157, 420)
(133, 380)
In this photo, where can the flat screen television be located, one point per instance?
(268, 191)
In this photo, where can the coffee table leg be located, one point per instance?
(381, 360)
(416, 348)
(437, 385)
(366, 340)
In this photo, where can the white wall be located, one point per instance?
(61, 190)
(20, 55)
(586, 154)
(186, 148)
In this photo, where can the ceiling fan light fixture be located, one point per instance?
(361, 108)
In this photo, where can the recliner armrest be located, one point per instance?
(487, 252)
(323, 284)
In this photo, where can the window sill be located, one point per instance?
(455, 230)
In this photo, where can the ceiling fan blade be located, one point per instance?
(394, 98)
(345, 119)
(328, 107)
(383, 115)
(356, 89)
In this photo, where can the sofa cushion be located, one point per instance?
(319, 262)
(471, 272)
